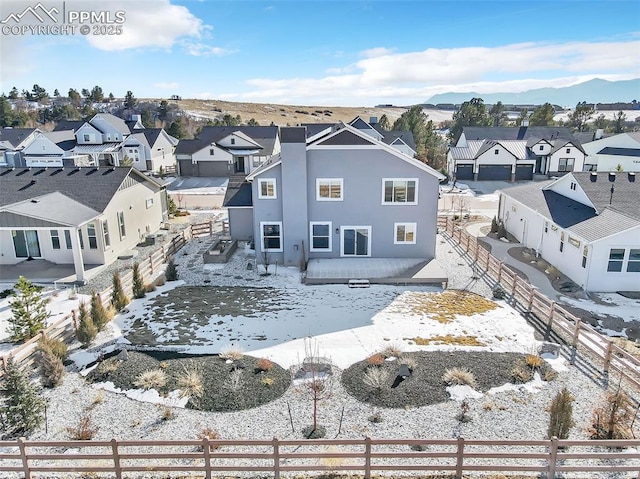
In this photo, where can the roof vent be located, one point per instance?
(593, 176)
(632, 177)
(612, 176)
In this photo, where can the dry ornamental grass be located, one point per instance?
(448, 339)
(444, 307)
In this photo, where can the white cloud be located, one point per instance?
(414, 76)
(167, 85)
(199, 49)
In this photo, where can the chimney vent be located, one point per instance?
(612, 176)
(373, 120)
(525, 123)
(593, 176)
(632, 177)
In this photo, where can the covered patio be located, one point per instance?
(43, 271)
(375, 270)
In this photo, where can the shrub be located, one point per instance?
(459, 376)
(163, 364)
(211, 434)
(99, 315)
(152, 379)
(375, 418)
(105, 368)
(86, 331)
(171, 272)
(614, 418)
(50, 365)
(21, 404)
(502, 231)
(463, 415)
(160, 280)
(561, 415)
(118, 298)
(83, 431)
(534, 361)
(233, 353)
(138, 282)
(57, 347)
(494, 225)
(392, 351)
(268, 382)
(190, 383)
(409, 361)
(499, 292)
(167, 414)
(149, 288)
(376, 377)
(521, 372)
(375, 360)
(28, 310)
(264, 365)
(234, 381)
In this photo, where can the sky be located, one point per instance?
(329, 53)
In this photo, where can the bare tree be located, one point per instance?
(315, 379)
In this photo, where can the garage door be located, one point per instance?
(494, 172)
(464, 172)
(524, 172)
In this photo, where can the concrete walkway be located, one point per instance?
(500, 249)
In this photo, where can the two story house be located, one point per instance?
(400, 140)
(513, 154)
(224, 151)
(337, 194)
(78, 216)
(614, 152)
(586, 224)
(12, 142)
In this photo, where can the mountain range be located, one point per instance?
(592, 91)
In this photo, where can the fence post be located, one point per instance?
(24, 457)
(210, 228)
(547, 333)
(553, 457)
(367, 458)
(500, 271)
(574, 344)
(530, 301)
(116, 458)
(459, 457)
(276, 458)
(607, 357)
(151, 264)
(206, 448)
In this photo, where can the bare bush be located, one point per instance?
(459, 376)
(234, 353)
(376, 377)
(152, 379)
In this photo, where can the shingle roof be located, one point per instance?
(118, 123)
(264, 135)
(91, 187)
(626, 191)
(390, 136)
(72, 125)
(610, 150)
(605, 224)
(516, 133)
(54, 207)
(15, 136)
(238, 194)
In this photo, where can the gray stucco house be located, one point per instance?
(344, 194)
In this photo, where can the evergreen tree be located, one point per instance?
(561, 415)
(14, 94)
(171, 272)
(28, 310)
(111, 97)
(99, 314)
(118, 299)
(498, 114)
(147, 118)
(253, 122)
(6, 112)
(542, 116)
(162, 111)
(176, 129)
(618, 122)
(22, 405)
(51, 367)
(75, 98)
(471, 113)
(581, 114)
(130, 100)
(56, 93)
(384, 123)
(86, 331)
(96, 94)
(138, 282)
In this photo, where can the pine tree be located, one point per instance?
(561, 415)
(86, 331)
(118, 299)
(494, 225)
(99, 314)
(29, 311)
(22, 404)
(51, 367)
(171, 273)
(138, 282)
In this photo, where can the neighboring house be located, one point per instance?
(151, 149)
(79, 216)
(585, 224)
(12, 142)
(223, 151)
(513, 154)
(616, 152)
(400, 140)
(343, 194)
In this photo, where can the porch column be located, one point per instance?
(78, 262)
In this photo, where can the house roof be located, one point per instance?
(390, 136)
(315, 128)
(15, 136)
(562, 142)
(610, 150)
(626, 191)
(91, 187)
(475, 148)
(516, 133)
(55, 208)
(118, 123)
(238, 194)
(265, 136)
(72, 125)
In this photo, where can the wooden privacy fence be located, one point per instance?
(365, 456)
(571, 329)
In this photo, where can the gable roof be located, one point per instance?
(516, 133)
(118, 123)
(476, 148)
(92, 187)
(265, 136)
(72, 125)
(15, 136)
(389, 137)
(345, 137)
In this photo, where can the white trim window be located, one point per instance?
(404, 233)
(92, 235)
(267, 189)
(633, 262)
(566, 164)
(400, 191)
(320, 235)
(271, 235)
(355, 241)
(55, 239)
(105, 232)
(121, 226)
(329, 189)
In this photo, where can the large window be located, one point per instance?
(329, 189)
(267, 188)
(565, 164)
(404, 233)
(67, 239)
(271, 236)
(561, 242)
(400, 191)
(320, 232)
(92, 235)
(633, 263)
(55, 239)
(105, 232)
(121, 227)
(585, 255)
(616, 257)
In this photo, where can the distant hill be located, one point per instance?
(592, 91)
